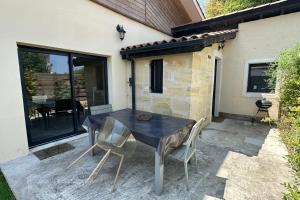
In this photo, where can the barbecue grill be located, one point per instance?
(263, 105)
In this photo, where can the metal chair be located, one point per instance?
(111, 139)
(185, 152)
(95, 110)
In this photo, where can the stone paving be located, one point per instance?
(237, 161)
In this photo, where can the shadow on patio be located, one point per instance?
(235, 162)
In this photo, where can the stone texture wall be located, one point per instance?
(175, 99)
(187, 85)
(202, 82)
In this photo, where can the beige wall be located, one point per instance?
(75, 25)
(187, 85)
(262, 39)
(202, 83)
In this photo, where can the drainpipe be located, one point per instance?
(132, 84)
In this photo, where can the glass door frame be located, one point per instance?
(70, 56)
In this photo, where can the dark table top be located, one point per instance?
(149, 132)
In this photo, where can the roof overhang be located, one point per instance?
(177, 45)
(193, 9)
(232, 20)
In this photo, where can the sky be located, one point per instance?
(60, 64)
(202, 3)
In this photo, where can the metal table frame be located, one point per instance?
(159, 161)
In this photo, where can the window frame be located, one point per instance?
(247, 93)
(152, 88)
(70, 54)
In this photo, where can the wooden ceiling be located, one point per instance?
(159, 14)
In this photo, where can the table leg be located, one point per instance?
(91, 139)
(159, 170)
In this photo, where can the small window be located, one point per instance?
(257, 78)
(156, 68)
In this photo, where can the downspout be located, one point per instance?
(132, 84)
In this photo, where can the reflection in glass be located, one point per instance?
(48, 95)
(56, 101)
(89, 83)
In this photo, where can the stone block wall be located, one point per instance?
(175, 99)
(187, 85)
(202, 83)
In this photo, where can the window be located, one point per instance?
(156, 68)
(58, 90)
(257, 78)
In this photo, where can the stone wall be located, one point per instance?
(175, 99)
(202, 81)
(187, 85)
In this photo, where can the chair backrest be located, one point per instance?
(39, 99)
(113, 132)
(191, 141)
(95, 110)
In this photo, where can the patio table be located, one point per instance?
(161, 132)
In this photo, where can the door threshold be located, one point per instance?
(51, 144)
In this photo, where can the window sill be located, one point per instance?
(260, 95)
(156, 93)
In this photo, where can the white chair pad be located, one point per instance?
(179, 153)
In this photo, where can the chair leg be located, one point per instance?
(186, 175)
(77, 159)
(196, 162)
(98, 167)
(117, 175)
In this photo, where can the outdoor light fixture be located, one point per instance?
(121, 31)
(221, 45)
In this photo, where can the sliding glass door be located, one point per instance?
(58, 89)
(89, 83)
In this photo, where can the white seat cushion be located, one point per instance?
(179, 153)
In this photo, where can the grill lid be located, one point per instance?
(263, 103)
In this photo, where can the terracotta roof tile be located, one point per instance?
(181, 39)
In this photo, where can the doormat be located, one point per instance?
(53, 151)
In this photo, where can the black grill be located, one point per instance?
(263, 104)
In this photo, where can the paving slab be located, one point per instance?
(237, 160)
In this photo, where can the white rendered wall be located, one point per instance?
(72, 25)
(257, 40)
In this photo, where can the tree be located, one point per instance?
(220, 7)
(286, 72)
(30, 82)
(34, 63)
(37, 62)
(62, 89)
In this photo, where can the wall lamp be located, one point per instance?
(221, 45)
(121, 31)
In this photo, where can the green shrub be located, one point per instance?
(286, 72)
(293, 194)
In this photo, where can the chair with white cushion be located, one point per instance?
(186, 151)
(96, 110)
